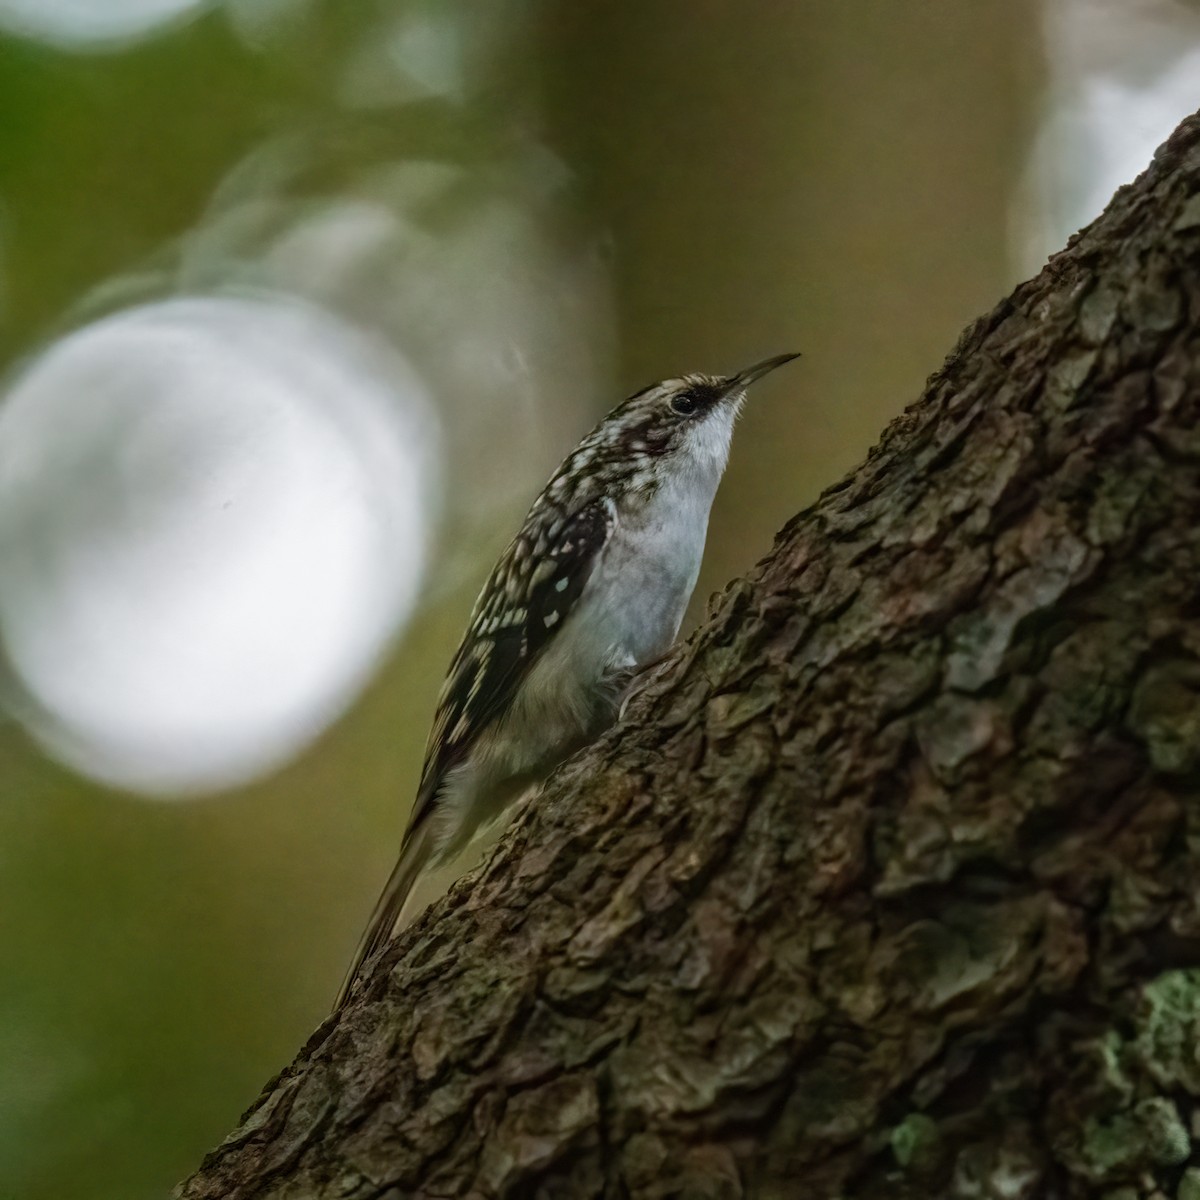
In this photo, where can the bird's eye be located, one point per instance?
(684, 404)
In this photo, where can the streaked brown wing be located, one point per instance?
(524, 603)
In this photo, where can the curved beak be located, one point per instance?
(743, 379)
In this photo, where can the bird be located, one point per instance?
(590, 592)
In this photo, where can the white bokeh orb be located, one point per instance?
(1121, 76)
(213, 517)
(94, 24)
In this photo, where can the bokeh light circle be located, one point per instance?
(90, 24)
(213, 516)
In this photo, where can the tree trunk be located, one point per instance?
(888, 884)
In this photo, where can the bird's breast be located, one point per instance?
(648, 571)
(627, 615)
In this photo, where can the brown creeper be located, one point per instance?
(590, 590)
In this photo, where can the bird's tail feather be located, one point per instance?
(414, 856)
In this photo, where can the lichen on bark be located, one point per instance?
(886, 884)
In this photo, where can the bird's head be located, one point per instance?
(690, 418)
(678, 427)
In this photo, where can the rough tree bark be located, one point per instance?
(889, 882)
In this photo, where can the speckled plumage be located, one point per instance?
(592, 588)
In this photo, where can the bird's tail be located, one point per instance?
(415, 854)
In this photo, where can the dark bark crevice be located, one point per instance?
(886, 884)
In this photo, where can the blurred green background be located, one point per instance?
(300, 303)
